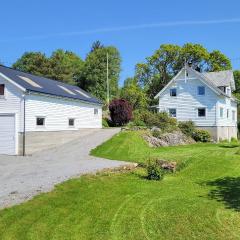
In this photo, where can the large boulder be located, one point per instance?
(168, 139)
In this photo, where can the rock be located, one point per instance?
(166, 165)
(168, 139)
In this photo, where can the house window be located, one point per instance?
(233, 115)
(228, 91)
(173, 92)
(227, 113)
(95, 111)
(40, 121)
(2, 89)
(71, 122)
(201, 90)
(172, 112)
(201, 112)
(221, 112)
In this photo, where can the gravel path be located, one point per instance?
(21, 178)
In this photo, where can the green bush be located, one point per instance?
(154, 171)
(160, 120)
(187, 127)
(200, 135)
(105, 123)
(156, 133)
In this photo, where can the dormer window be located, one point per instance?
(2, 89)
(173, 92)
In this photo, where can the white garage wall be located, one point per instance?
(57, 111)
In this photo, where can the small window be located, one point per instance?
(71, 122)
(95, 111)
(233, 115)
(201, 90)
(173, 92)
(221, 112)
(40, 121)
(228, 91)
(2, 89)
(201, 112)
(227, 113)
(172, 112)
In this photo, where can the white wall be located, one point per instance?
(188, 101)
(226, 103)
(11, 103)
(57, 111)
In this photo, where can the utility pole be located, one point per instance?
(107, 82)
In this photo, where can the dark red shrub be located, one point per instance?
(120, 112)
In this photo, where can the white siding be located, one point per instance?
(11, 103)
(226, 104)
(57, 111)
(188, 101)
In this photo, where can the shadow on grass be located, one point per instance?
(227, 190)
(229, 146)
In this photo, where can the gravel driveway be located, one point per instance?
(23, 177)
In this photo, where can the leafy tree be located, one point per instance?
(62, 65)
(134, 94)
(120, 112)
(96, 45)
(236, 74)
(33, 62)
(218, 62)
(65, 66)
(93, 77)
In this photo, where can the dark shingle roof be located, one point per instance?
(47, 86)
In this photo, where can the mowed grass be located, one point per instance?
(202, 201)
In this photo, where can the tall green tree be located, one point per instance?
(93, 77)
(65, 66)
(236, 75)
(62, 65)
(218, 62)
(33, 62)
(134, 94)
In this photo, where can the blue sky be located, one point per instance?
(135, 27)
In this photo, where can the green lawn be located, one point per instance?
(202, 201)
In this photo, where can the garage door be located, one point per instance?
(7, 134)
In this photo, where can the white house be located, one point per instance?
(33, 107)
(205, 98)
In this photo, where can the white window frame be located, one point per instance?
(198, 91)
(96, 111)
(201, 117)
(233, 115)
(171, 90)
(71, 126)
(44, 122)
(228, 113)
(172, 109)
(221, 110)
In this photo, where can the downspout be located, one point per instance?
(24, 126)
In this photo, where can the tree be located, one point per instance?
(93, 77)
(65, 66)
(159, 68)
(218, 62)
(62, 65)
(134, 94)
(33, 62)
(120, 112)
(96, 45)
(236, 74)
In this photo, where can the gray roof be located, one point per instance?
(221, 79)
(43, 85)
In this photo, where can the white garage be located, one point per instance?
(32, 108)
(7, 134)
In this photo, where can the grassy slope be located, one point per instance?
(200, 202)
